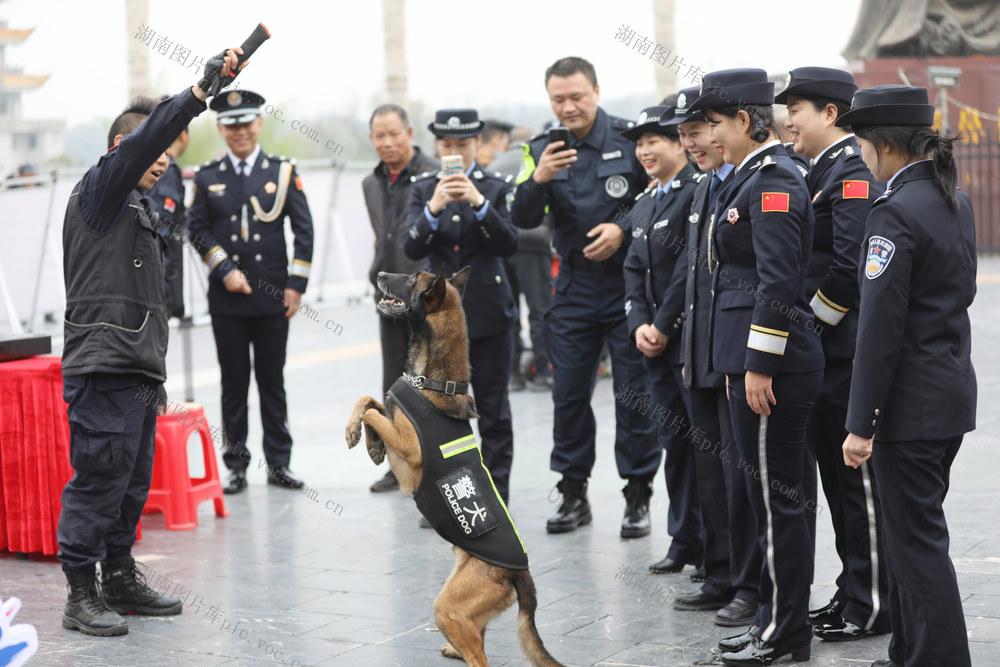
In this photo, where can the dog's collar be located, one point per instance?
(447, 387)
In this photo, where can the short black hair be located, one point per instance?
(131, 117)
(570, 66)
(493, 128)
(819, 103)
(383, 109)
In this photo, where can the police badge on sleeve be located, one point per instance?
(468, 507)
(616, 186)
(880, 251)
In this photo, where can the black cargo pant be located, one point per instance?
(112, 422)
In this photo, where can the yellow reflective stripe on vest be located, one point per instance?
(456, 447)
(527, 165)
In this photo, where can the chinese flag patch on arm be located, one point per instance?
(774, 201)
(855, 189)
(298, 182)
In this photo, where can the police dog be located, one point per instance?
(477, 591)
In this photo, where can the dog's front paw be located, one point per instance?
(376, 450)
(352, 433)
(450, 651)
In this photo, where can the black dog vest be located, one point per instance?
(456, 493)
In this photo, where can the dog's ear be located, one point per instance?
(461, 279)
(434, 295)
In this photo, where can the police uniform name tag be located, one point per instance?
(661, 223)
(216, 189)
(468, 508)
(616, 186)
(612, 155)
(880, 251)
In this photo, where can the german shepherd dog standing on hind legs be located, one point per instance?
(427, 405)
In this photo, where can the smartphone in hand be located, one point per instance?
(452, 164)
(560, 134)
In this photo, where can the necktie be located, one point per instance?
(713, 188)
(659, 196)
(242, 169)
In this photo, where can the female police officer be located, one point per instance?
(914, 388)
(659, 218)
(764, 339)
(459, 220)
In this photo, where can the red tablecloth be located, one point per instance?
(34, 453)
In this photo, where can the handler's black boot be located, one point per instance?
(126, 592)
(575, 509)
(636, 521)
(86, 610)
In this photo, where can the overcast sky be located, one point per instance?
(328, 56)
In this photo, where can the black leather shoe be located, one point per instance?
(828, 615)
(698, 576)
(575, 509)
(284, 478)
(738, 642)
(845, 631)
(759, 652)
(667, 566)
(736, 614)
(885, 663)
(387, 483)
(125, 590)
(636, 521)
(237, 481)
(700, 602)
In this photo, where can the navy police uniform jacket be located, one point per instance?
(600, 186)
(913, 376)
(761, 238)
(461, 240)
(456, 493)
(656, 258)
(168, 195)
(842, 190)
(236, 224)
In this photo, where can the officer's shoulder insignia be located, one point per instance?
(538, 137)
(637, 232)
(497, 174)
(211, 163)
(693, 218)
(883, 196)
(880, 251)
(849, 150)
(803, 170)
(675, 184)
(698, 176)
(767, 161)
(420, 177)
(643, 193)
(620, 123)
(508, 178)
(478, 175)
(833, 155)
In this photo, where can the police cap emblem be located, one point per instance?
(616, 186)
(233, 99)
(641, 119)
(454, 122)
(681, 102)
(880, 250)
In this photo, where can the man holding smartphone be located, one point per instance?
(589, 188)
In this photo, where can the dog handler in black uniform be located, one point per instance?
(763, 338)
(842, 190)
(914, 388)
(115, 344)
(462, 220)
(659, 221)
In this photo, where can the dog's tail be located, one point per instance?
(531, 643)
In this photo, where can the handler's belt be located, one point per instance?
(456, 493)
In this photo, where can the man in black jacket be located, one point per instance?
(113, 358)
(387, 189)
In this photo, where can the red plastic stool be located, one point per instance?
(173, 491)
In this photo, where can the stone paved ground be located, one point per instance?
(339, 576)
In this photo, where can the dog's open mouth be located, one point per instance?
(389, 304)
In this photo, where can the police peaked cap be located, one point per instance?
(456, 123)
(889, 105)
(821, 82)
(236, 106)
(649, 120)
(729, 87)
(682, 110)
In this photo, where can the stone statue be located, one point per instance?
(914, 28)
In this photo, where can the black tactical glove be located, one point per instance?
(213, 81)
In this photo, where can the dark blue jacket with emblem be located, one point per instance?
(168, 194)
(236, 224)
(656, 252)
(913, 376)
(600, 186)
(456, 493)
(461, 240)
(761, 238)
(842, 190)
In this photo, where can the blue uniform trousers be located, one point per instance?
(111, 450)
(772, 455)
(588, 310)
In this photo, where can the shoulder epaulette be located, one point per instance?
(651, 188)
(768, 161)
(698, 176)
(620, 123)
(420, 177)
(498, 176)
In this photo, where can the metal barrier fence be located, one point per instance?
(979, 176)
(32, 295)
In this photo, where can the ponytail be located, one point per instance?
(915, 142)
